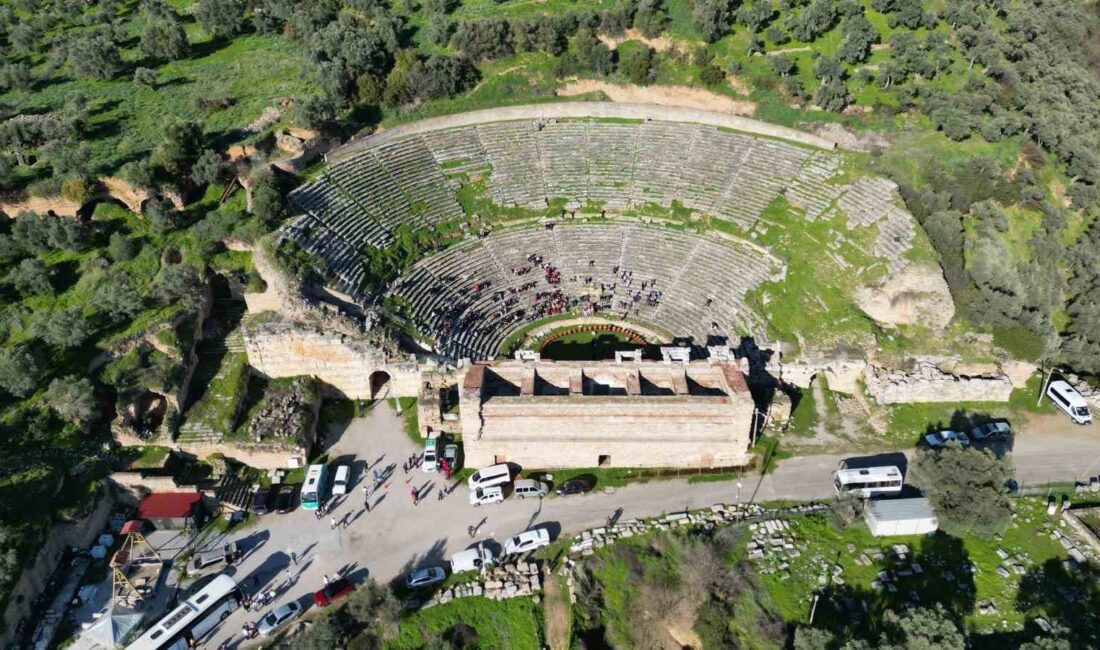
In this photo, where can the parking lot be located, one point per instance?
(397, 536)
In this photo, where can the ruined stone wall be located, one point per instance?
(553, 452)
(254, 456)
(80, 532)
(343, 364)
(927, 383)
(842, 375)
(137, 486)
(630, 432)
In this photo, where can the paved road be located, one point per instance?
(396, 535)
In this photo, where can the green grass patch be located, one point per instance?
(221, 404)
(768, 453)
(410, 419)
(515, 623)
(1020, 342)
(148, 457)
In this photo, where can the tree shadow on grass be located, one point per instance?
(1067, 595)
(938, 573)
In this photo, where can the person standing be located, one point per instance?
(332, 522)
(415, 496)
(326, 579)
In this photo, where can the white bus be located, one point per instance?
(313, 490)
(868, 482)
(193, 619)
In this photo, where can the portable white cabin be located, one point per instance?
(887, 517)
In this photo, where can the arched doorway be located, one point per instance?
(379, 383)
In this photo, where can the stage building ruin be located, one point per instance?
(606, 414)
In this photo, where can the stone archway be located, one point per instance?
(379, 383)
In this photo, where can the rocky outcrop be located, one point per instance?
(1091, 394)
(929, 383)
(918, 295)
(505, 581)
(56, 205)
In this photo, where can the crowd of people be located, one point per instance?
(517, 303)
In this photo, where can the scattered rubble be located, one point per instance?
(512, 580)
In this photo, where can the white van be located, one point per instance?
(490, 476)
(1066, 398)
(472, 559)
(341, 480)
(526, 488)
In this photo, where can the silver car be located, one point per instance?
(278, 617)
(941, 438)
(425, 577)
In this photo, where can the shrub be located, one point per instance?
(77, 189)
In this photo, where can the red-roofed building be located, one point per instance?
(172, 510)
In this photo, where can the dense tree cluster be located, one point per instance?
(967, 488)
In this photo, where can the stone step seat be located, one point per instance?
(456, 145)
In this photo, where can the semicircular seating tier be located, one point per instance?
(471, 297)
(412, 179)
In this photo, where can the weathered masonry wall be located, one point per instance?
(346, 367)
(579, 414)
(582, 110)
(927, 383)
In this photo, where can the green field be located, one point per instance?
(478, 622)
(586, 346)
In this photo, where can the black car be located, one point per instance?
(573, 486)
(287, 498)
(261, 500)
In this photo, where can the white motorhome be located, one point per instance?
(868, 481)
(1066, 398)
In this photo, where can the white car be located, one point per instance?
(278, 617)
(481, 496)
(340, 480)
(992, 431)
(941, 438)
(431, 459)
(425, 577)
(527, 541)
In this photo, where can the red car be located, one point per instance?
(335, 590)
